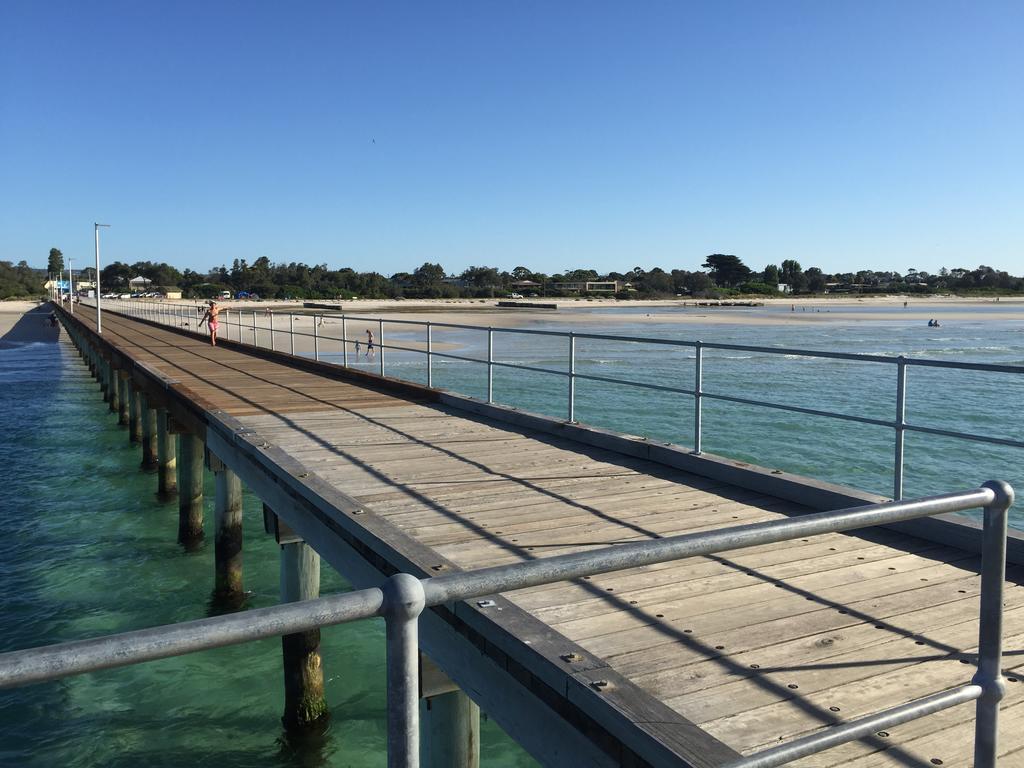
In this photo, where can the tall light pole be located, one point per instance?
(71, 289)
(96, 231)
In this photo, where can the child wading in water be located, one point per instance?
(369, 343)
(211, 319)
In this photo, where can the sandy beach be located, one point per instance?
(479, 312)
(25, 322)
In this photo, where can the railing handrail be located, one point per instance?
(403, 597)
(860, 357)
(161, 310)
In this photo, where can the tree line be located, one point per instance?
(719, 276)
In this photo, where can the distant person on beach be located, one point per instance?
(210, 318)
(369, 343)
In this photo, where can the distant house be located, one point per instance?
(785, 288)
(591, 286)
(171, 292)
(139, 283)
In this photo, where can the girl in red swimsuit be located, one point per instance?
(211, 319)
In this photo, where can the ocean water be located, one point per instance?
(859, 455)
(89, 550)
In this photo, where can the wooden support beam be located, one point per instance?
(104, 376)
(190, 491)
(278, 528)
(166, 458)
(134, 413)
(114, 390)
(305, 705)
(123, 397)
(449, 731)
(227, 590)
(149, 433)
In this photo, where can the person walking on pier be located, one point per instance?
(210, 318)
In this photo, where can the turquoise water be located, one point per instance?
(89, 550)
(982, 403)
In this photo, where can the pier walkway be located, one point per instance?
(697, 660)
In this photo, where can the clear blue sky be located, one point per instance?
(867, 134)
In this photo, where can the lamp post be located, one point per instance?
(96, 231)
(71, 289)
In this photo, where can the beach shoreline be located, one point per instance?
(25, 322)
(484, 312)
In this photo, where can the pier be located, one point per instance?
(691, 662)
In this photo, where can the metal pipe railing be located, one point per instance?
(403, 597)
(898, 424)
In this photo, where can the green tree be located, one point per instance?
(115, 276)
(771, 275)
(56, 261)
(657, 281)
(815, 280)
(726, 270)
(428, 275)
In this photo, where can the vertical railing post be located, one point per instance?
(490, 366)
(430, 355)
(572, 377)
(316, 338)
(344, 341)
(255, 338)
(291, 331)
(698, 376)
(990, 631)
(900, 426)
(403, 603)
(271, 329)
(380, 344)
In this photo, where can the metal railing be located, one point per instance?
(249, 332)
(403, 597)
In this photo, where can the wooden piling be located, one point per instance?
(190, 490)
(149, 433)
(449, 721)
(123, 397)
(114, 387)
(166, 458)
(105, 379)
(450, 732)
(304, 701)
(134, 414)
(227, 589)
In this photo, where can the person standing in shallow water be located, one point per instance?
(210, 318)
(369, 343)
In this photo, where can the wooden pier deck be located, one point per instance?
(700, 659)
